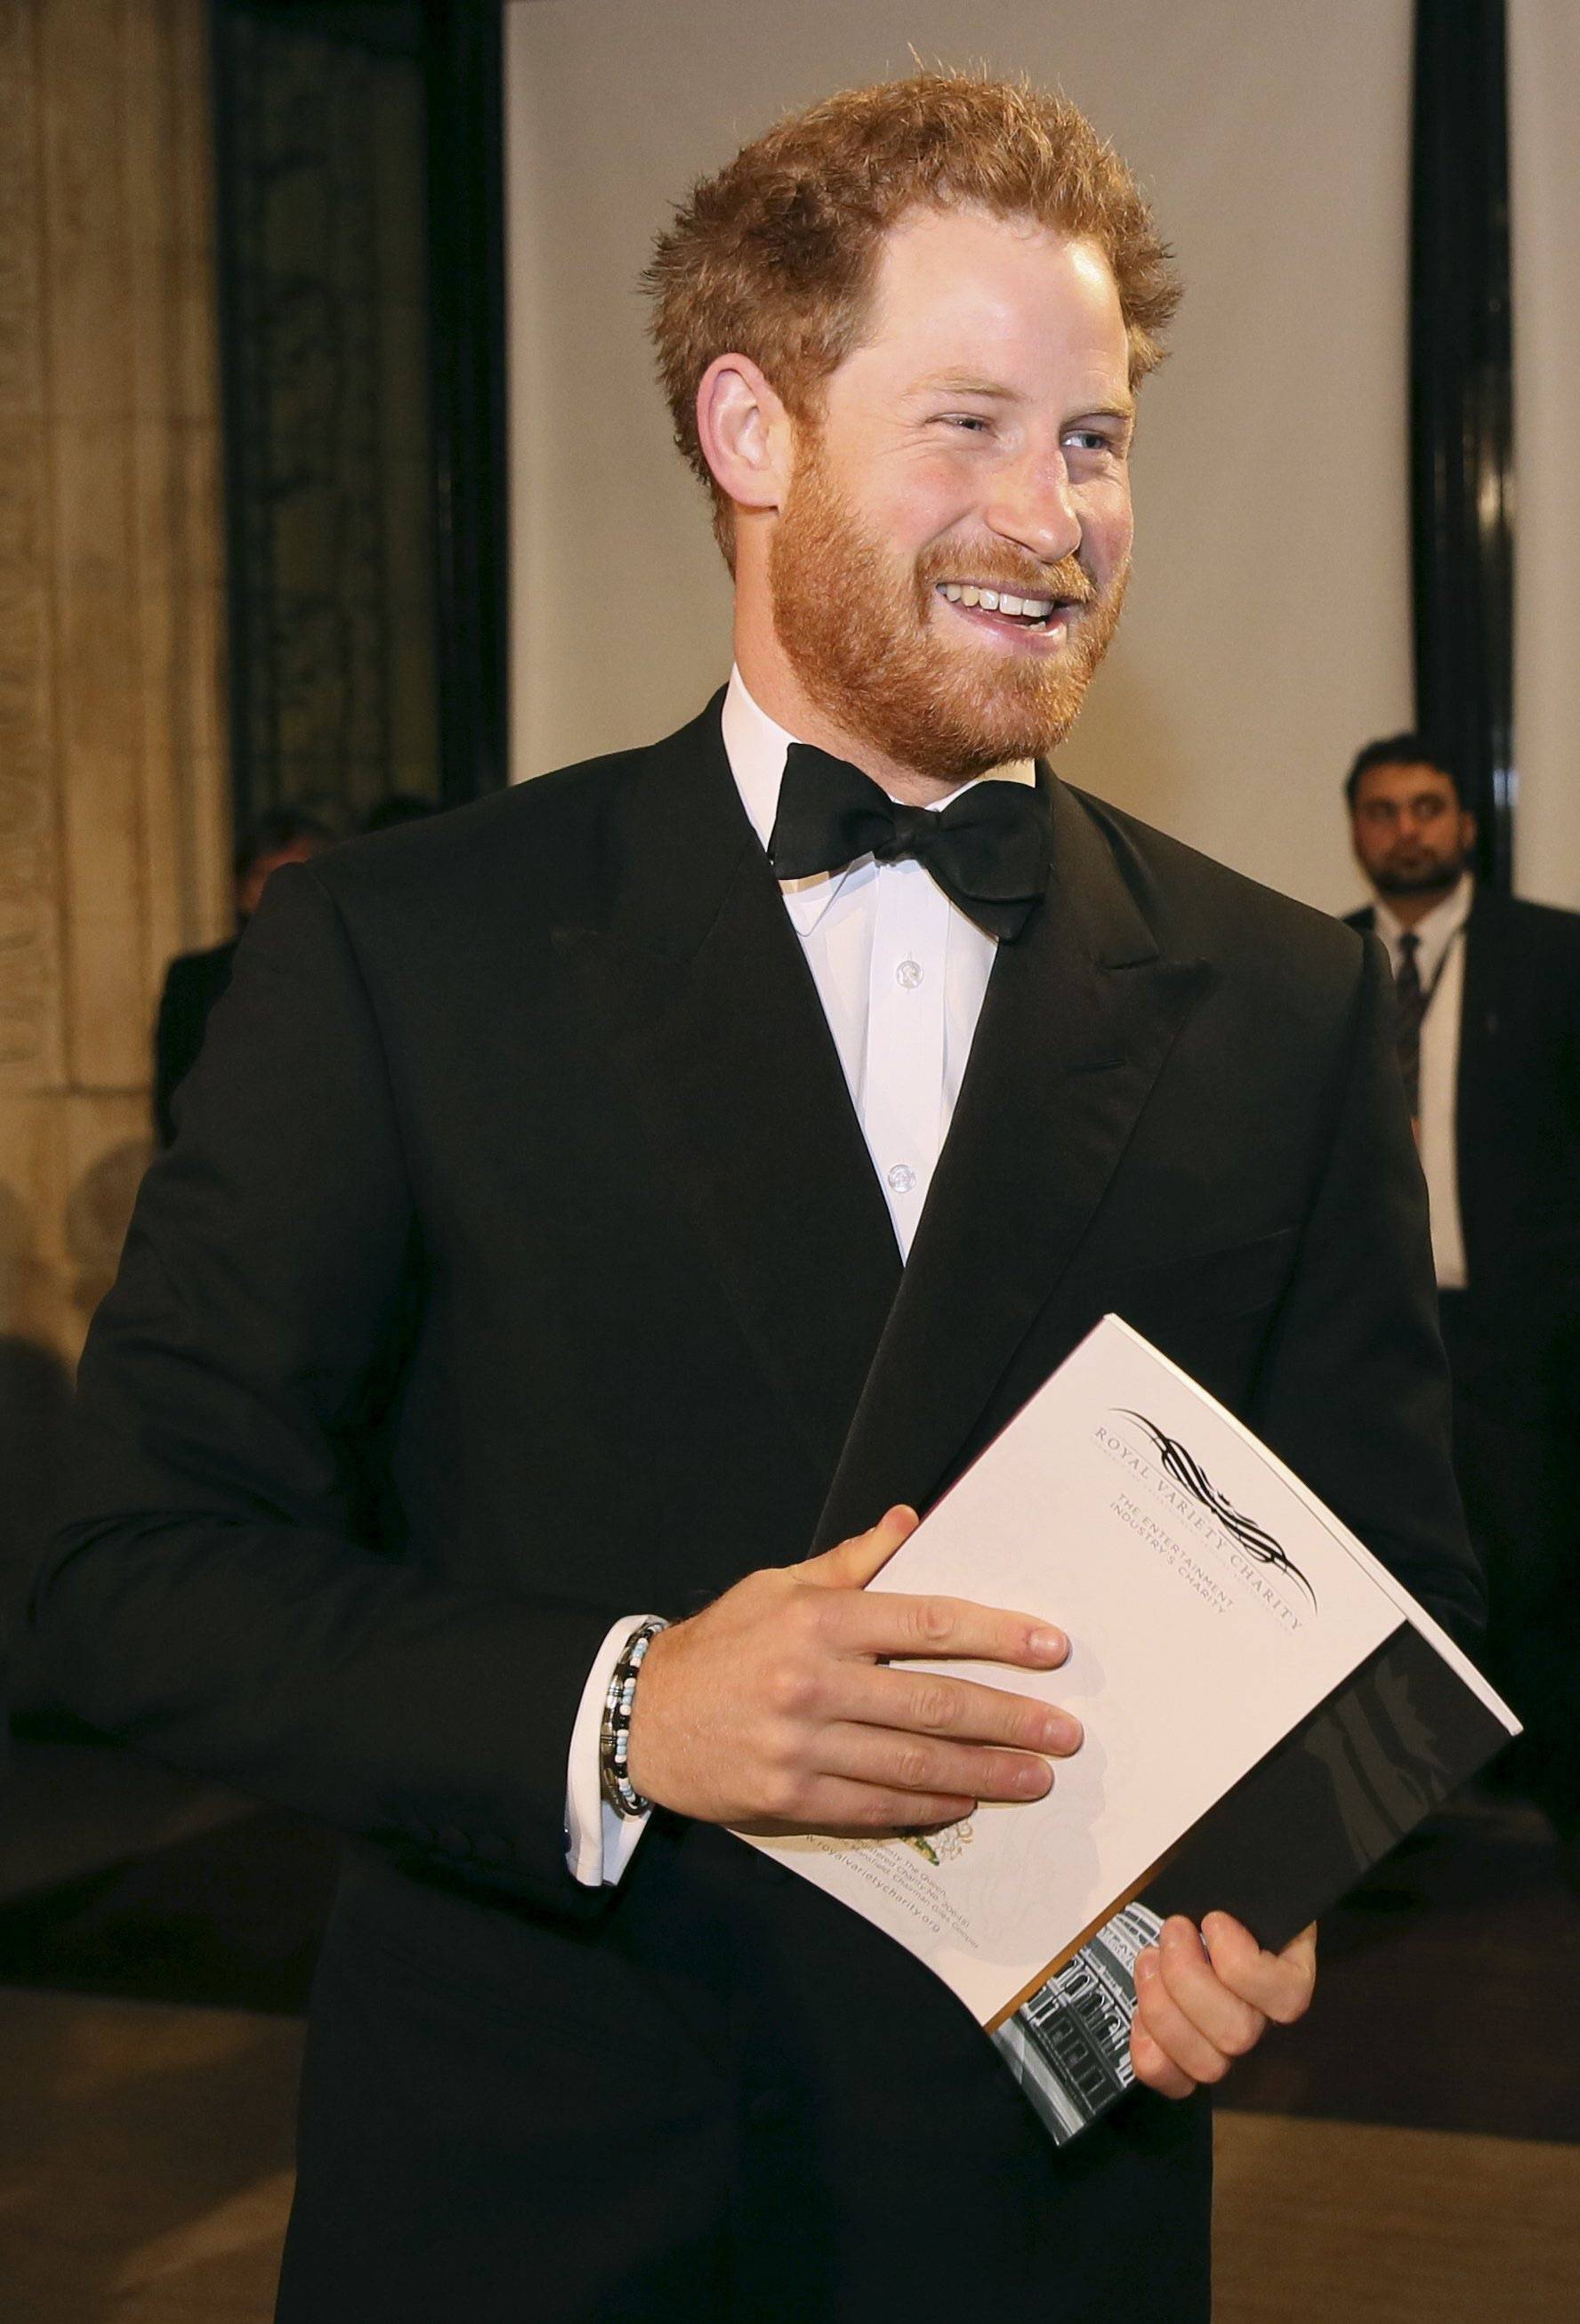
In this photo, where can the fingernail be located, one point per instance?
(1034, 1778)
(1049, 1646)
(1061, 1733)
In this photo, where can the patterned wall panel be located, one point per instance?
(331, 535)
(30, 1051)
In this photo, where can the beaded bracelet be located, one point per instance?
(614, 1736)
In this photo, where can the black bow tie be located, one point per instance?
(988, 850)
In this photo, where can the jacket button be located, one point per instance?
(453, 1840)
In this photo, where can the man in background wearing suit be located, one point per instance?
(195, 980)
(1489, 1044)
(622, 1198)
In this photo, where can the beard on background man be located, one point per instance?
(1413, 868)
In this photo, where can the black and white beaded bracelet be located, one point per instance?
(614, 1736)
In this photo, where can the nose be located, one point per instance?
(1034, 506)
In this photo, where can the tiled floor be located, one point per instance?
(145, 2155)
(1351, 2222)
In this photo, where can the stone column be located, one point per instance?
(114, 808)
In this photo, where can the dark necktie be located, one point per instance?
(1409, 1006)
(988, 850)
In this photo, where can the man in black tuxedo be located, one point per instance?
(629, 1197)
(195, 980)
(1489, 1034)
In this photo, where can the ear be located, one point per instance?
(1468, 827)
(745, 432)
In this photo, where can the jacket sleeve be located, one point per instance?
(214, 1592)
(1353, 1391)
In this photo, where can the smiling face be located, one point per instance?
(975, 448)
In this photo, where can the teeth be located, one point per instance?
(996, 601)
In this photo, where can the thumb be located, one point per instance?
(851, 1564)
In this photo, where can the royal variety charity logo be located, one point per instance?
(1185, 1471)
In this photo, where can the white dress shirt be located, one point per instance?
(901, 972)
(1440, 965)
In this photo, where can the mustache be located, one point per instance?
(1067, 581)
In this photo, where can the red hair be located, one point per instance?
(775, 256)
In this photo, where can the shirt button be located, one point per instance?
(903, 1179)
(909, 974)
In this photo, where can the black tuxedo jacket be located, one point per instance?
(193, 983)
(1518, 1109)
(518, 1264)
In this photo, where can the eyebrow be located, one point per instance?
(953, 383)
(959, 383)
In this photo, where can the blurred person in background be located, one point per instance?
(1488, 1021)
(195, 980)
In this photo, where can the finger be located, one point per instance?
(1183, 2043)
(921, 1763)
(849, 1810)
(1232, 2025)
(883, 1622)
(851, 1564)
(928, 1703)
(1280, 1985)
(1155, 2067)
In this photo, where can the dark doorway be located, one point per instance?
(361, 335)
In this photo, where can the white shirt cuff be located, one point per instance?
(599, 1843)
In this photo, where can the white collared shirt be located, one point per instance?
(1440, 965)
(902, 973)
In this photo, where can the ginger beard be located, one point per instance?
(863, 637)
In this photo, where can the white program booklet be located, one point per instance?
(1266, 1710)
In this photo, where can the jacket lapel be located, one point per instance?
(1080, 1015)
(698, 988)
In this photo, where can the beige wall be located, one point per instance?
(1268, 630)
(113, 818)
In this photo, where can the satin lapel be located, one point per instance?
(698, 988)
(1080, 1015)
